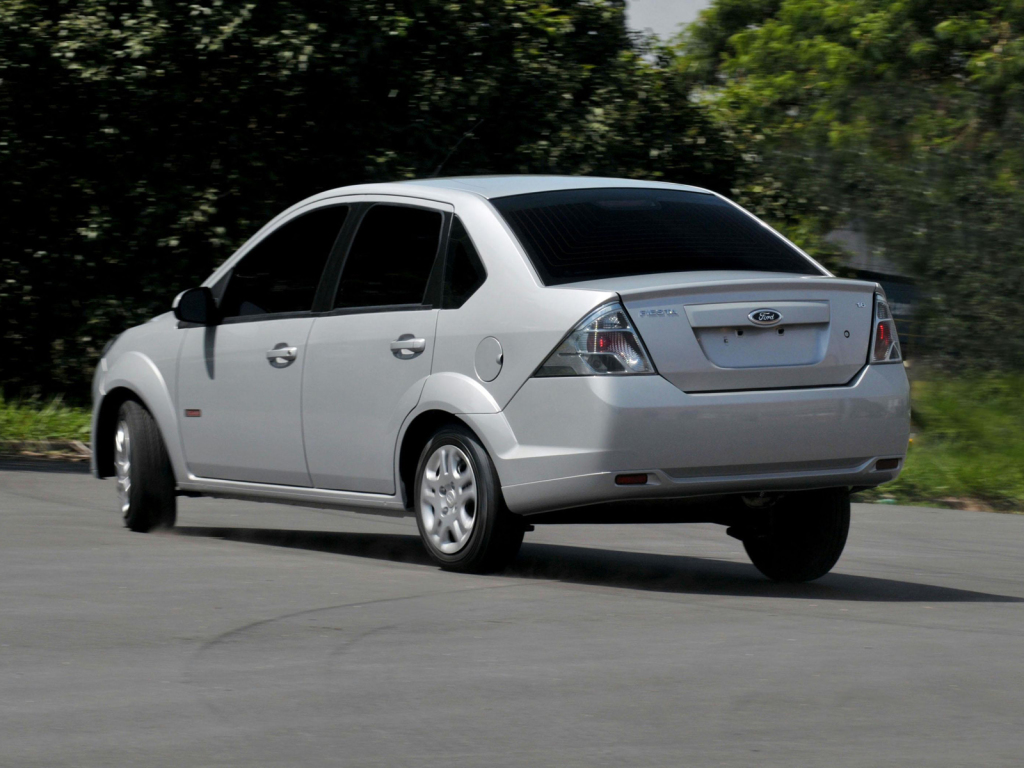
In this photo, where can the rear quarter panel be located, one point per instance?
(527, 319)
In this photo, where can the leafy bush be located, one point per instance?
(904, 120)
(143, 141)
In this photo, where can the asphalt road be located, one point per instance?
(262, 635)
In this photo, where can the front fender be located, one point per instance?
(139, 375)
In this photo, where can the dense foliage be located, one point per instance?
(141, 141)
(901, 118)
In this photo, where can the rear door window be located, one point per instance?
(391, 258)
(282, 272)
(463, 271)
(590, 234)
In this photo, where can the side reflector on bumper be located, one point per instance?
(886, 464)
(638, 479)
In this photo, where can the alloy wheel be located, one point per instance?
(123, 465)
(448, 495)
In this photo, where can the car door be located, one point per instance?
(240, 381)
(369, 356)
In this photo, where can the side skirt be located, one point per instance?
(318, 498)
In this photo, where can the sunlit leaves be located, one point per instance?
(901, 118)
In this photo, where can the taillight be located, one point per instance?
(605, 343)
(885, 344)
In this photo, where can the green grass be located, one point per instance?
(968, 444)
(35, 420)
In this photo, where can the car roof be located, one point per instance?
(491, 187)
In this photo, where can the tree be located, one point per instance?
(142, 141)
(904, 116)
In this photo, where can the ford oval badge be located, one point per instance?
(765, 317)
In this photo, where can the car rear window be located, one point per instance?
(590, 234)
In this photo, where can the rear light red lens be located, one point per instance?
(605, 342)
(638, 479)
(619, 349)
(885, 346)
(887, 464)
(884, 335)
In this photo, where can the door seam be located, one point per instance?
(302, 396)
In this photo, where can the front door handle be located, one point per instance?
(406, 346)
(282, 354)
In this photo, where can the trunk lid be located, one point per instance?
(715, 332)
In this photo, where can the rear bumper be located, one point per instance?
(561, 441)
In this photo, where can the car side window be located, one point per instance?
(463, 270)
(282, 272)
(391, 257)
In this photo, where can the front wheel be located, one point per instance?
(145, 481)
(460, 512)
(802, 535)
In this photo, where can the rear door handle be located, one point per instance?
(407, 346)
(283, 353)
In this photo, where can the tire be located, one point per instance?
(145, 481)
(803, 537)
(469, 535)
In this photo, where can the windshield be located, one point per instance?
(589, 234)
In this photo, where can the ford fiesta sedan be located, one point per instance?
(490, 353)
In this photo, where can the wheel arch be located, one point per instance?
(415, 436)
(450, 398)
(134, 377)
(106, 423)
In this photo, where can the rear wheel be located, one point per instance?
(460, 511)
(145, 482)
(801, 537)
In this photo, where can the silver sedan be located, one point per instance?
(491, 353)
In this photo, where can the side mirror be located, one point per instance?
(196, 305)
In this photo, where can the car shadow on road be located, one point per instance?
(612, 568)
